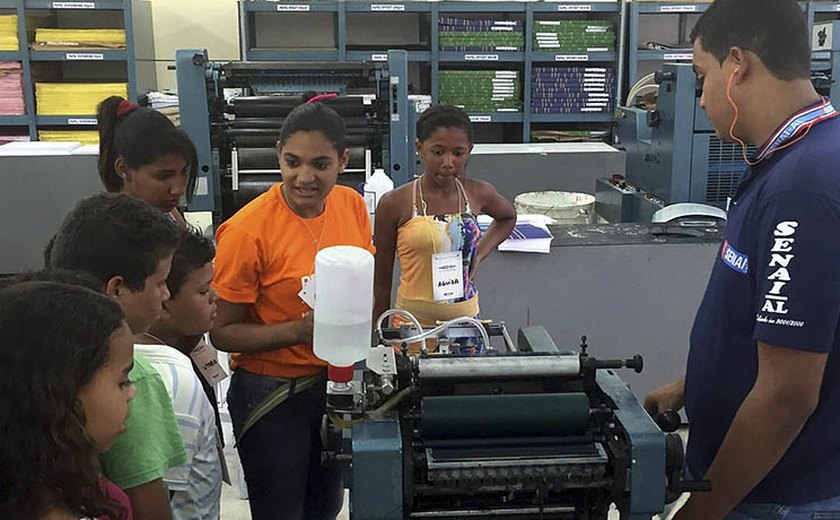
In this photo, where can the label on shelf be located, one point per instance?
(481, 119)
(387, 7)
(378, 57)
(84, 56)
(81, 121)
(481, 57)
(573, 8)
(571, 57)
(680, 56)
(678, 9)
(74, 5)
(837, 7)
(292, 7)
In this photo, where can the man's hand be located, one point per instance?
(667, 397)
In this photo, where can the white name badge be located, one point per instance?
(307, 292)
(206, 358)
(448, 276)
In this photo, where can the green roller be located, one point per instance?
(494, 416)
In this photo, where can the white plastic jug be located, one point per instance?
(376, 187)
(343, 304)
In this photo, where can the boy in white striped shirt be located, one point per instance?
(195, 487)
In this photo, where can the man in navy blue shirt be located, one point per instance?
(762, 385)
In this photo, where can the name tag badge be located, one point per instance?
(206, 359)
(307, 292)
(448, 276)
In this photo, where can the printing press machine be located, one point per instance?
(522, 432)
(673, 154)
(233, 113)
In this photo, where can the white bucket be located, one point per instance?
(565, 207)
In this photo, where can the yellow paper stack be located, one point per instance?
(67, 136)
(74, 99)
(79, 38)
(9, 33)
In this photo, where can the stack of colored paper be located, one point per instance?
(12, 138)
(574, 35)
(79, 39)
(69, 136)
(572, 90)
(9, 33)
(457, 34)
(482, 91)
(11, 89)
(68, 99)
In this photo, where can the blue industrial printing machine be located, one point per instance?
(523, 432)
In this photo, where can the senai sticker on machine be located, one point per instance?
(448, 276)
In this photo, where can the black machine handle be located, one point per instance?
(668, 421)
(674, 460)
(693, 486)
(636, 363)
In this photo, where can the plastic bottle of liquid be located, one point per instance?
(343, 304)
(376, 187)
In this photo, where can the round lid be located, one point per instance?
(340, 374)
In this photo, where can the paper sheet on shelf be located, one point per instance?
(11, 89)
(60, 39)
(74, 99)
(9, 33)
(67, 136)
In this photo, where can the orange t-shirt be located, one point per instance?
(262, 254)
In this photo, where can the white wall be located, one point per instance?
(200, 24)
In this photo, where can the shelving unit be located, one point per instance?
(685, 14)
(658, 21)
(363, 31)
(133, 65)
(331, 30)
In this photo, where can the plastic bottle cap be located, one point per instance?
(340, 374)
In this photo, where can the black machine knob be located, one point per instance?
(668, 421)
(637, 363)
(674, 459)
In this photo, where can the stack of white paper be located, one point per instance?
(531, 234)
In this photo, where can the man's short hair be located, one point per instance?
(110, 235)
(775, 30)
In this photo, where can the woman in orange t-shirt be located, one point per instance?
(277, 392)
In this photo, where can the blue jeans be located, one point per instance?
(822, 510)
(281, 453)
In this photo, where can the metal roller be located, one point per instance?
(475, 367)
(267, 137)
(258, 158)
(281, 106)
(494, 416)
(264, 159)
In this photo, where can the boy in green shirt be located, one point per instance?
(127, 246)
